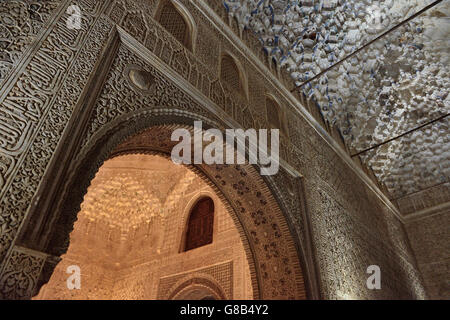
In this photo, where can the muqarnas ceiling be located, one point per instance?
(390, 88)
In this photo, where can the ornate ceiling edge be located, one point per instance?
(424, 199)
(225, 30)
(443, 208)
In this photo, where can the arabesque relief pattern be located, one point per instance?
(21, 274)
(426, 234)
(20, 23)
(197, 71)
(43, 107)
(36, 109)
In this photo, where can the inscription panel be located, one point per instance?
(37, 108)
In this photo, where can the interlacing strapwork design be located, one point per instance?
(174, 22)
(229, 74)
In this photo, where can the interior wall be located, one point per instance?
(428, 237)
(352, 227)
(352, 230)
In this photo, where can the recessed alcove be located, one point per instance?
(132, 222)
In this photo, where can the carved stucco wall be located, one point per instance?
(35, 109)
(20, 23)
(351, 226)
(426, 235)
(128, 238)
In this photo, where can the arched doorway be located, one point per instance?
(254, 204)
(128, 232)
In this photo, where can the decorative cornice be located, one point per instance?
(428, 212)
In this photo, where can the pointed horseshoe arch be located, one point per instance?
(275, 258)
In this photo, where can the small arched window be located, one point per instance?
(172, 20)
(200, 225)
(229, 74)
